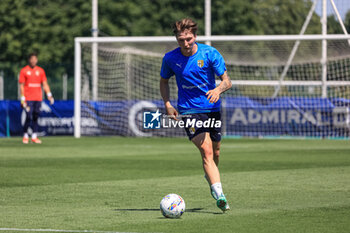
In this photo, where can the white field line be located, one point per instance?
(58, 230)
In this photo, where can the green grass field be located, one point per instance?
(116, 184)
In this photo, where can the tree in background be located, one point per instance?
(43, 26)
(49, 27)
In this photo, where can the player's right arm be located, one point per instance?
(23, 99)
(165, 73)
(21, 88)
(165, 93)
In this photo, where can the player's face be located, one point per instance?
(33, 60)
(186, 41)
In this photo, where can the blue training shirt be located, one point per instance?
(195, 76)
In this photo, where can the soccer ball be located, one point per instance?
(172, 206)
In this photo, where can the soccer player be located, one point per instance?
(31, 79)
(195, 66)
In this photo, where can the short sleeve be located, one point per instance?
(166, 71)
(43, 76)
(218, 63)
(22, 78)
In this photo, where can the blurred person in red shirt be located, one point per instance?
(31, 79)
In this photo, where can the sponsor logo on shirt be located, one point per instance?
(191, 87)
(29, 73)
(37, 73)
(34, 85)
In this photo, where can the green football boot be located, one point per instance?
(222, 203)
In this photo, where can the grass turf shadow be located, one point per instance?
(193, 210)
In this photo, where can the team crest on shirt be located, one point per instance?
(37, 73)
(200, 63)
(29, 73)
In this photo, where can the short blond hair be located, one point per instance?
(183, 24)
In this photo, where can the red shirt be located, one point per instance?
(32, 79)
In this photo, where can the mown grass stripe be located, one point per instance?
(58, 230)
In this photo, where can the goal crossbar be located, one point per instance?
(146, 39)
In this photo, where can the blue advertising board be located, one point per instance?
(54, 120)
(242, 116)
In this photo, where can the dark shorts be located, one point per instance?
(34, 107)
(213, 129)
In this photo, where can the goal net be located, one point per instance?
(282, 85)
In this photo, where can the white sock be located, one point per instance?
(34, 136)
(25, 135)
(217, 188)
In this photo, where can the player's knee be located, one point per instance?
(29, 117)
(207, 153)
(35, 116)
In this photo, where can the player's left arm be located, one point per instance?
(47, 88)
(214, 95)
(48, 92)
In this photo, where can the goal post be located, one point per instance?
(77, 89)
(129, 70)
